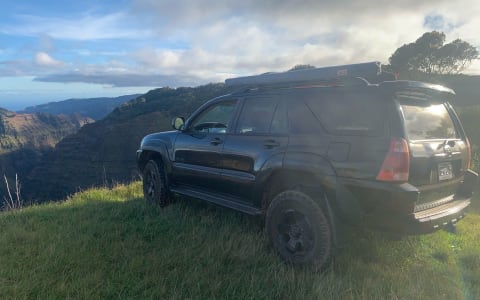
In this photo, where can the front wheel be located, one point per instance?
(155, 188)
(299, 230)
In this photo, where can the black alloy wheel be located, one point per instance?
(154, 185)
(299, 230)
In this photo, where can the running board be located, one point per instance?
(225, 201)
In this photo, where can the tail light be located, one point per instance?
(396, 164)
(469, 154)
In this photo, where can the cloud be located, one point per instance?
(82, 28)
(254, 36)
(126, 80)
(242, 47)
(215, 40)
(307, 16)
(165, 59)
(474, 68)
(45, 60)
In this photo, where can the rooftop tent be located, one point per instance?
(369, 71)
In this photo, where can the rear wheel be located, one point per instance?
(155, 189)
(299, 230)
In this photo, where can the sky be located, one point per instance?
(54, 50)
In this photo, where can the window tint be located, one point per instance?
(257, 116)
(279, 122)
(350, 114)
(215, 119)
(428, 122)
(301, 119)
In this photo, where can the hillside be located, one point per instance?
(466, 87)
(108, 244)
(35, 131)
(95, 108)
(25, 139)
(104, 152)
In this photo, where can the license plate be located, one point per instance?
(445, 171)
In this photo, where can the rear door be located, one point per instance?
(356, 130)
(438, 149)
(257, 146)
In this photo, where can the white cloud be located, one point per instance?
(252, 36)
(474, 68)
(158, 59)
(87, 27)
(45, 60)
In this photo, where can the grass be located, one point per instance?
(109, 244)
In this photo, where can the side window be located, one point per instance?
(350, 114)
(256, 116)
(301, 119)
(215, 119)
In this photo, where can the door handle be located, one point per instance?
(269, 144)
(216, 141)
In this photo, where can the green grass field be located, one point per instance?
(104, 244)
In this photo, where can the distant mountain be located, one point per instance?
(26, 138)
(95, 108)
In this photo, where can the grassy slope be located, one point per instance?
(109, 244)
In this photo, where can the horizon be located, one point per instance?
(21, 105)
(18, 106)
(57, 50)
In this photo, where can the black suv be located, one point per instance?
(312, 149)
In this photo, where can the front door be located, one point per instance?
(197, 150)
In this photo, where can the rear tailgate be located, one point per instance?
(438, 151)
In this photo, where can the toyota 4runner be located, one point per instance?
(311, 149)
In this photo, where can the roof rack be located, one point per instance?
(326, 76)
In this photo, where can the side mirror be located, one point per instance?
(178, 123)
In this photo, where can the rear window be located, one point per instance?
(428, 122)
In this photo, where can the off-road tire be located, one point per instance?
(299, 230)
(155, 190)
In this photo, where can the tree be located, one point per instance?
(429, 54)
(301, 67)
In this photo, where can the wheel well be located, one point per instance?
(288, 180)
(147, 156)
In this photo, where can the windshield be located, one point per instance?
(428, 122)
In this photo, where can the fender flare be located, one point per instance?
(155, 150)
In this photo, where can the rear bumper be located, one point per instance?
(392, 207)
(421, 222)
(437, 217)
(438, 213)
